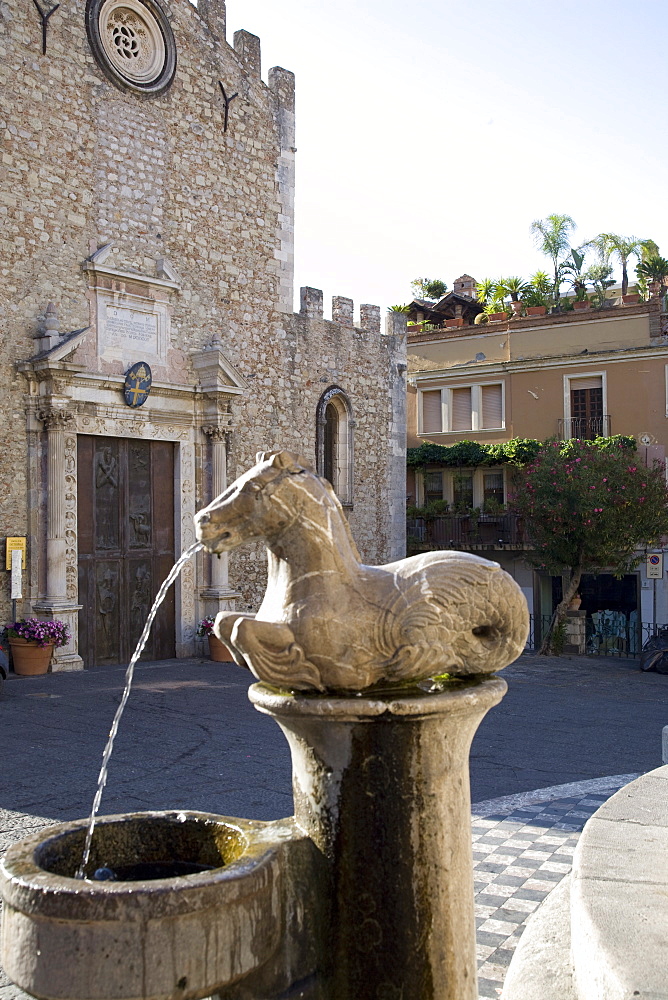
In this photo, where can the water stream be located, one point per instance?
(129, 674)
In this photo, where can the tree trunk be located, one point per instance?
(560, 611)
(625, 278)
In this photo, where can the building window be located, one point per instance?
(492, 487)
(334, 442)
(585, 414)
(433, 487)
(464, 489)
(462, 408)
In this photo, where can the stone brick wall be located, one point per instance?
(85, 164)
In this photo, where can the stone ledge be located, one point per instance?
(541, 966)
(602, 933)
(619, 896)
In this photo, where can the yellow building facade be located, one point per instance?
(578, 374)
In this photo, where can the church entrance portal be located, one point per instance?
(126, 546)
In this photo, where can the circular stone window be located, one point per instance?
(133, 43)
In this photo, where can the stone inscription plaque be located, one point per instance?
(131, 327)
(132, 331)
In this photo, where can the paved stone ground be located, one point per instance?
(521, 851)
(190, 739)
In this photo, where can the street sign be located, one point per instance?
(17, 589)
(655, 566)
(14, 543)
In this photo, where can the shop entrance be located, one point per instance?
(611, 605)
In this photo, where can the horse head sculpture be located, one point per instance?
(328, 622)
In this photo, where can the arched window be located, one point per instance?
(334, 442)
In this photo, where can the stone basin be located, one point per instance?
(160, 939)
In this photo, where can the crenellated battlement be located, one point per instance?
(214, 14)
(247, 46)
(343, 309)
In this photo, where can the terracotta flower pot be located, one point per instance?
(497, 317)
(457, 321)
(29, 658)
(580, 305)
(218, 651)
(517, 308)
(630, 300)
(536, 310)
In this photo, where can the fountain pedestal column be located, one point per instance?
(381, 787)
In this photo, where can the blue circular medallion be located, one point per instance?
(137, 384)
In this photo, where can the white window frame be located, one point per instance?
(603, 375)
(476, 408)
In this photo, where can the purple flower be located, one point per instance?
(205, 627)
(44, 633)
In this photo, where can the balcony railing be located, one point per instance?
(585, 428)
(465, 531)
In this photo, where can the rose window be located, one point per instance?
(133, 42)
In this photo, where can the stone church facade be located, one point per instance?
(146, 230)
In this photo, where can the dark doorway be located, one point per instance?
(587, 412)
(126, 546)
(603, 592)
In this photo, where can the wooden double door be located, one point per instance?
(126, 546)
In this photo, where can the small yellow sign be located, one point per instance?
(12, 545)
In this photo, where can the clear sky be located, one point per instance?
(430, 134)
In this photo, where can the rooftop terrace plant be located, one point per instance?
(552, 237)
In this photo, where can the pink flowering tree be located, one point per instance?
(588, 506)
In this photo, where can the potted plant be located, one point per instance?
(515, 287)
(32, 642)
(496, 312)
(536, 294)
(654, 270)
(218, 651)
(600, 276)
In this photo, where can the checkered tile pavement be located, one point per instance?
(519, 855)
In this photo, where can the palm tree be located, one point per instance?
(622, 247)
(654, 268)
(648, 248)
(486, 290)
(552, 236)
(538, 289)
(512, 286)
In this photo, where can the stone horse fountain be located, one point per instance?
(379, 677)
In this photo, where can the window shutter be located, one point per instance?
(492, 406)
(431, 411)
(595, 382)
(461, 410)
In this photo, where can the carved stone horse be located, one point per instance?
(329, 622)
